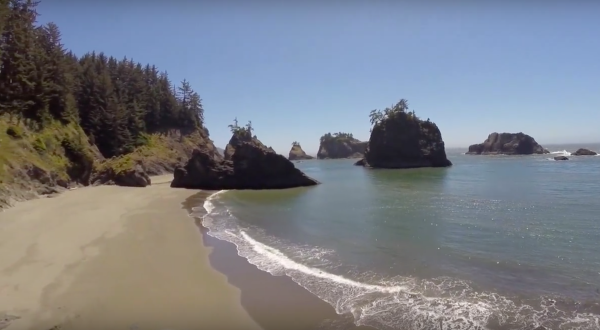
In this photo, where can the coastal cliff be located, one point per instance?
(340, 145)
(250, 165)
(296, 153)
(507, 144)
(399, 139)
(69, 121)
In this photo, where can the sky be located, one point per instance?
(300, 69)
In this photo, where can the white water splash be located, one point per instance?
(392, 303)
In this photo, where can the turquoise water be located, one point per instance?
(494, 242)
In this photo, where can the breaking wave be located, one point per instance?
(396, 302)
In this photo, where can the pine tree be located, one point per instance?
(115, 101)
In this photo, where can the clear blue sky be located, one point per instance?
(299, 69)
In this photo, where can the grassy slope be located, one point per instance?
(43, 149)
(22, 148)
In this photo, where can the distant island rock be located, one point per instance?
(399, 139)
(507, 144)
(296, 153)
(584, 152)
(340, 145)
(248, 164)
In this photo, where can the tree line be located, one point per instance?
(336, 136)
(398, 109)
(116, 102)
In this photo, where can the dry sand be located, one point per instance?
(111, 258)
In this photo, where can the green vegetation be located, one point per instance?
(295, 144)
(340, 136)
(57, 109)
(50, 148)
(398, 109)
(241, 131)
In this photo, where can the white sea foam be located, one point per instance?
(561, 153)
(392, 303)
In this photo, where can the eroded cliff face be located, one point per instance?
(248, 164)
(401, 140)
(296, 153)
(507, 144)
(341, 148)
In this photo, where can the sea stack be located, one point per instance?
(340, 145)
(296, 153)
(584, 152)
(507, 144)
(248, 164)
(399, 139)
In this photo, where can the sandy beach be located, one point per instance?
(111, 257)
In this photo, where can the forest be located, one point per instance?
(336, 136)
(117, 102)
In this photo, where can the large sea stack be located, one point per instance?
(399, 139)
(507, 144)
(296, 153)
(340, 145)
(248, 164)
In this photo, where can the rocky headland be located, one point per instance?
(296, 153)
(340, 145)
(399, 139)
(507, 144)
(248, 164)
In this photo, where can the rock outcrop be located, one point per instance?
(249, 165)
(135, 176)
(296, 153)
(584, 152)
(340, 145)
(507, 144)
(400, 139)
(561, 158)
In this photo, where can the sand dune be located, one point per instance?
(111, 257)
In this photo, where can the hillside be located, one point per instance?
(68, 120)
(340, 145)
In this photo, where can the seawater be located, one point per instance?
(493, 242)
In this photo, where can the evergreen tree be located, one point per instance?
(115, 101)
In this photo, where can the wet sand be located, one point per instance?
(274, 302)
(111, 258)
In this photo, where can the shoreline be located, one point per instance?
(273, 302)
(111, 257)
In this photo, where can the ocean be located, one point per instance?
(493, 242)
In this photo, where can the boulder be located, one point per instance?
(340, 145)
(296, 153)
(249, 165)
(135, 176)
(584, 152)
(561, 158)
(507, 144)
(400, 139)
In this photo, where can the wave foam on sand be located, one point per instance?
(387, 303)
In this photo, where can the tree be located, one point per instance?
(234, 128)
(18, 74)
(116, 102)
